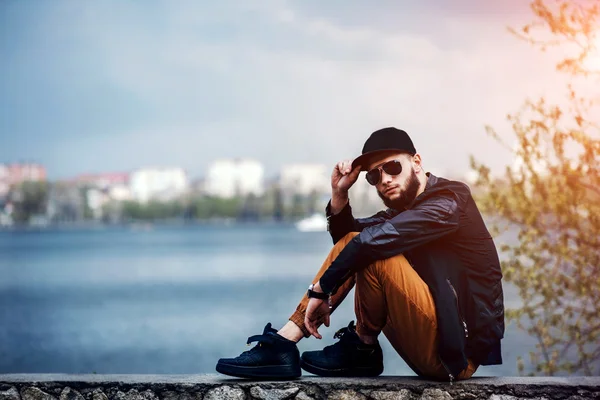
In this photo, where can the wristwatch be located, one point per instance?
(317, 295)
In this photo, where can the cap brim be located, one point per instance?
(363, 159)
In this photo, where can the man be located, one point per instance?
(426, 272)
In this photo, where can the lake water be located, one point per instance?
(164, 299)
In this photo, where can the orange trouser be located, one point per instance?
(391, 297)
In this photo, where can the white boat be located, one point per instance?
(315, 223)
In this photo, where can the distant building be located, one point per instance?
(96, 199)
(228, 178)
(161, 184)
(18, 173)
(103, 180)
(13, 174)
(6, 211)
(4, 185)
(114, 185)
(103, 188)
(303, 179)
(66, 202)
(119, 192)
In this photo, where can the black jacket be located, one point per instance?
(443, 236)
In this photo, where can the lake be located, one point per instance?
(165, 299)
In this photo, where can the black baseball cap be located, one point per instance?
(382, 141)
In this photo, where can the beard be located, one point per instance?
(407, 195)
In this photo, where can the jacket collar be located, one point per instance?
(431, 180)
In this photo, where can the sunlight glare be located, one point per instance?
(592, 61)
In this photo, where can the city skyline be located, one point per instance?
(98, 87)
(199, 176)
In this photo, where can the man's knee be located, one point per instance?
(397, 261)
(382, 270)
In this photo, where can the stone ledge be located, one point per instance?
(208, 387)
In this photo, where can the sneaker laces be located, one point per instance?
(343, 332)
(347, 338)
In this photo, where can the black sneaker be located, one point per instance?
(348, 357)
(274, 357)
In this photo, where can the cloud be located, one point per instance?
(281, 82)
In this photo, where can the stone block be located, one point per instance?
(225, 393)
(273, 394)
(435, 394)
(304, 396)
(33, 393)
(346, 395)
(70, 394)
(509, 397)
(133, 394)
(171, 395)
(403, 394)
(98, 394)
(9, 393)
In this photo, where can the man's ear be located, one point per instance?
(416, 161)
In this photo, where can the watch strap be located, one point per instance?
(316, 295)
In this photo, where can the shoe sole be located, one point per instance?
(343, 372)
(275, 372)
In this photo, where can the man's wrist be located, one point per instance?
(316, 293)
(339, 194)
(339, 199)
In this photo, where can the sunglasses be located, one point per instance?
(391, 168)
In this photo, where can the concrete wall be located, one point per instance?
(209, 387)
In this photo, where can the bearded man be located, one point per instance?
(426, 273)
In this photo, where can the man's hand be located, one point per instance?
(317, 310)
(343, 177)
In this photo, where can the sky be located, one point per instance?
(105, 86)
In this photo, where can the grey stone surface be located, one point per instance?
(134, 394)
(172, 395)
(197, 387)
(34, 393)
(303, 396)
(465, 395)
(403, 394)
(9, 393)
(435, 394)
(346, 395)
(273, 394)
(587, 396)
(214, 379)
(70, 394)
(225, 393)
(98, 395)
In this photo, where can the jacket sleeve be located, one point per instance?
(427, 221)
(342, 223)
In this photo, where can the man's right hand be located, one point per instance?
(342, 177)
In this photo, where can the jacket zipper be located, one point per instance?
(450, 376)
(458, 308)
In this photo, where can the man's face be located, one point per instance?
(396, 191)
